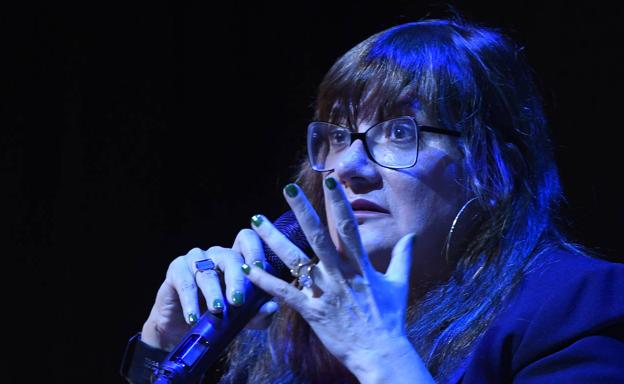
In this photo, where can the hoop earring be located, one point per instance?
(447, 245)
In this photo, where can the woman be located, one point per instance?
(429, 197)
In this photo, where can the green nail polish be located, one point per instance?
(330, 182)
(237, 298)
(291, 190)
(246, 268)
(192, 318)
(259, 264)
(218, 304)
(256, 220)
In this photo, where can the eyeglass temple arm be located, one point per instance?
(443, 131)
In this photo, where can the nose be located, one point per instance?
(356, 171)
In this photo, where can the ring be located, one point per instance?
(305, 279)
(295, 271)
(204, 265)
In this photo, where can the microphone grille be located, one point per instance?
(288, 225)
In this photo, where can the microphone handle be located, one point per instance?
(203, 344)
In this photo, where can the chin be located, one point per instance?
(378, 253)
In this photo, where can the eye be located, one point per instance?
(400, 133)
(338, 137)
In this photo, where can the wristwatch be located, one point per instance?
(140, 361)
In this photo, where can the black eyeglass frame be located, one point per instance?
(362, 136)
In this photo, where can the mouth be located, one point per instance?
(363, 207)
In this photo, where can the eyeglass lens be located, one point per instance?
(392, 143)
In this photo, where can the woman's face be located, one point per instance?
(423, 199)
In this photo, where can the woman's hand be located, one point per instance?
(177, 305)
(357, 312)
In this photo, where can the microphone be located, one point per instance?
(202, 345)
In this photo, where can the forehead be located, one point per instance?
(372, 107)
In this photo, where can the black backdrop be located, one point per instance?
(132, 133)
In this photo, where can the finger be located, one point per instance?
(314, 230)
(292, 256)
(248, 244)
(207, 281)
(276, 287)
(268, 308)
(230, 263)
(288, 252)
(210, 286)
(346, 225)
(183, 281)
(401, 261)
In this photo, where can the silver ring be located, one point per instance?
(305, 278)
(296, 271)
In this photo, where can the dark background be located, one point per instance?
(132, 133)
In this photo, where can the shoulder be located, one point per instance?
(568, 285)
(565, 319)
(562, 270)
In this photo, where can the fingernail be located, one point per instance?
(256, 220)
(258, 263)
(237, 298)
(192, 318)
(330, 182)
(217, 304)
(291, 190)
(246, 268)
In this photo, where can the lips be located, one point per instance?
(367, 206)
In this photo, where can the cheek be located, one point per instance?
(423, 199)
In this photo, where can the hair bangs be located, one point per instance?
(385, 76)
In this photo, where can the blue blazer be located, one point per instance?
(563, 324)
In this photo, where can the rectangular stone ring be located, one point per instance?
(204, 265)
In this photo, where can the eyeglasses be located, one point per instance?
(391, 144)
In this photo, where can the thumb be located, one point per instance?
(262, 320)
(401, 260)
